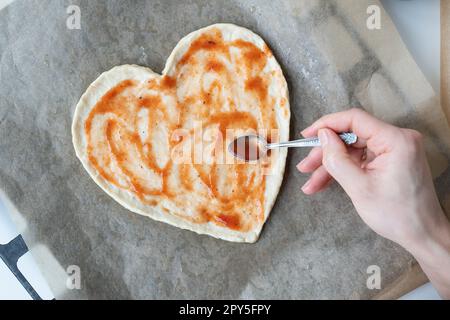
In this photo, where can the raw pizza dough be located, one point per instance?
(137, 133)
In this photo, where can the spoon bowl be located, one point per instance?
(248, 148)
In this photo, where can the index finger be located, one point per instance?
(358, 121)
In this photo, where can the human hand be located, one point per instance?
(385, 173)
(386, 176)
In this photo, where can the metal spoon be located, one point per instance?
(252, 147)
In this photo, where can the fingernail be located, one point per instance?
(323, 137)
(306, 185)
(304, 130)
(299, 165)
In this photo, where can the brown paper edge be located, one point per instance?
(413, 278)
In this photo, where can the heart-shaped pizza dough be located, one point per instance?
(157, 144)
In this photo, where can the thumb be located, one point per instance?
(337, 161)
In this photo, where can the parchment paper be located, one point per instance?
(311, 247)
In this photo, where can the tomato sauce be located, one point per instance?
(129, 133)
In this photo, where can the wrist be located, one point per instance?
(433, 245)
(433, 255)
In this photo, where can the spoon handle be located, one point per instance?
(349, 138)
